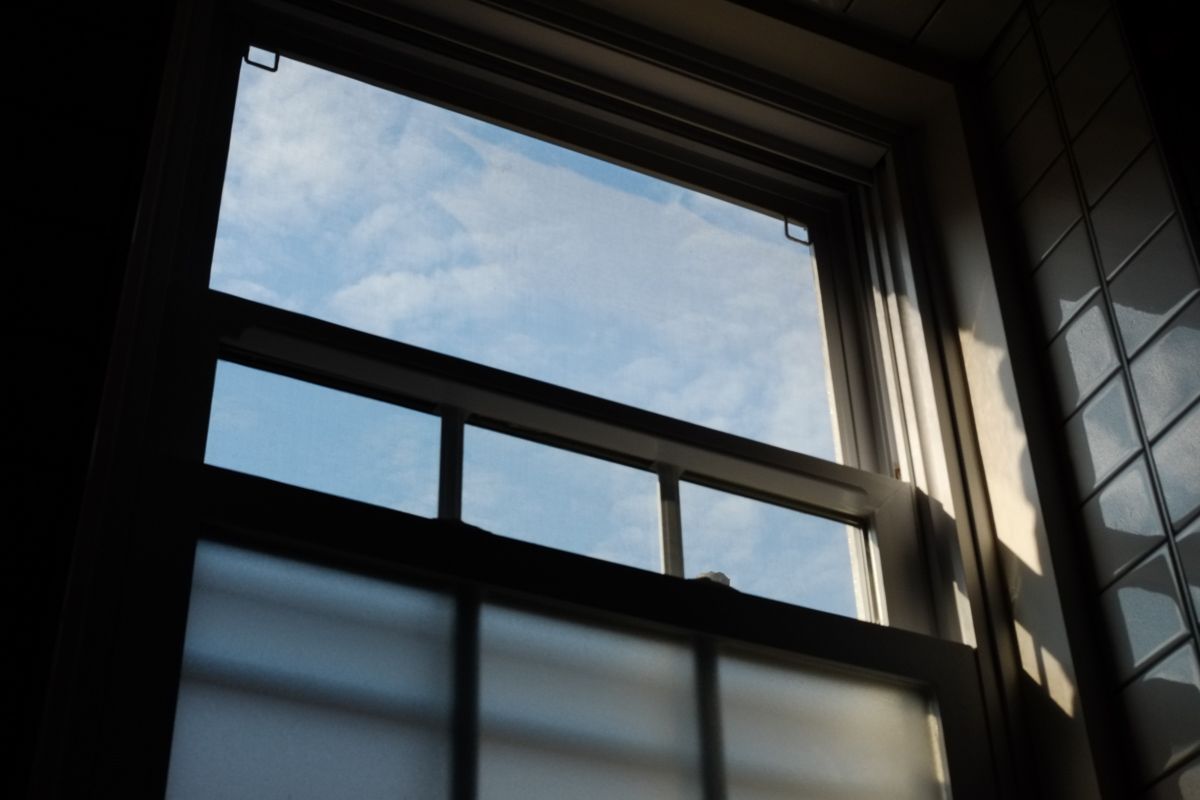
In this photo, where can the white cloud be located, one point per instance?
(382, 302)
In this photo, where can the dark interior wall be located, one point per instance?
(1107, 261)
(81, 88)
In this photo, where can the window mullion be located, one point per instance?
(464, 759)
(670, 520)
(712, 757)
(450, 480)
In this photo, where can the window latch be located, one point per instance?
(801, 231)
(261, 58)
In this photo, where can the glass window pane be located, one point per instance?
(568, 710)
(318, 438)
(366, 208)
(303, 682)
(790, 732)
(768, 550)
(560, 499)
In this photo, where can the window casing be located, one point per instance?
(200, 327)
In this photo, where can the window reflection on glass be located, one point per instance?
(360, 206)
(768, 550)
(560, 499)
(318, 438)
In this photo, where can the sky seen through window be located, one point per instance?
(352, 204)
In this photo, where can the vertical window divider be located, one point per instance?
(712, 756)
(464, 757)
(670, 520)
(450, 478)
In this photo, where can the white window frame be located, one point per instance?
(854, 491)
(179, 329)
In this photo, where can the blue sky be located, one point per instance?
(362, 207)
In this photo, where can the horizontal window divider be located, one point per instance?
(325, 353)
(345, 534)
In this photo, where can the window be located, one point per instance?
(377, 453)
(385, 214)
(380, 213)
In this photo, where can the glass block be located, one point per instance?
(1049, 210)
(453, 234)
(768, 550)
(1143, 613)
(795, 731)
(1181, 785)
(1177, 454)
(1082, 356)
(1163, 706)
(1122, 521)
(1066, 280)
(570, 710)
(317, 438)
(1165, 374)
(1016, 85)
(1188, 546)
(1156, 282)
(1092, 73)
(1014, 33)
(1032, 146)
(304, 682)
(561, 499)
(1101, 435)
(1064, 26)
(1131, 210)
(1112, 139)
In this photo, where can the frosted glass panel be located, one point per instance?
(302, 682)
(789, 733)
(560, 499)
(318, 438)
(768, 550)
(366, 208)
(574, 711)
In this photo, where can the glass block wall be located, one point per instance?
(1117, 295)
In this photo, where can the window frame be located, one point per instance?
(163, 485)
(853, 491)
